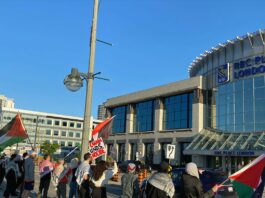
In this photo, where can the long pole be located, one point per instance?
(86, 136)
(36, 131)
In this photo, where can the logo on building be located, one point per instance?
(223, 73)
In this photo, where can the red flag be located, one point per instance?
(103, 129)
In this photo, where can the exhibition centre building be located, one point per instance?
(215, 118)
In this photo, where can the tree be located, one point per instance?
(48, 148)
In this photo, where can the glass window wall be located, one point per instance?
(144, 116)
(178, 111)
(119, 122)
(240, 105)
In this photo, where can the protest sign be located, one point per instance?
(97, 148)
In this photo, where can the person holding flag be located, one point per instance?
(192, 185)
(250, 180)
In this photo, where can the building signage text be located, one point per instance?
(235, 153)
(249, 67)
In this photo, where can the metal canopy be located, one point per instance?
(210, 140)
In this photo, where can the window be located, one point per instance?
(57, 123)
(62, 143)
(48, 132)
(63, 133)
(49, 122)
(144, 116)
(64, 124)
(178, 111)
(78, 125)
(72, 124)
(77, 135)
(55, 133)
(70, 134)
(70, 144)
(55, 141)
(77, 144)
(119, 122)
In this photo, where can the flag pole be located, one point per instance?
(29, 140)
(71, 152)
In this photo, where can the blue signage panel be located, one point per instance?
(223, 73)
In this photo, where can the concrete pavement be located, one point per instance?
(113, 189)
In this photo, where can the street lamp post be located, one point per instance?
(74, 81)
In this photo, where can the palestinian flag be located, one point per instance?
(14, 132)
(249, 181)
(103, 129)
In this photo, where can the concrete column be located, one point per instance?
(129, 119)
(141, 150)
(198, 111)
(159, 107)
(157, 153)
(223, 164)
(116, 147)
(127, 151)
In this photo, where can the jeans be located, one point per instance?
(73, 190)
(44, 185)
(61, 190)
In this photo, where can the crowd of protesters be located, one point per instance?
(87, 182)
(83, 182)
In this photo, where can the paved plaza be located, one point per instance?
(113, 189)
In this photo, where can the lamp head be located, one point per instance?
(73, 81)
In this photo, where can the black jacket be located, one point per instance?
(158, 185)
(153, 192)
(192, 188)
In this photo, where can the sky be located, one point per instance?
(154, 42)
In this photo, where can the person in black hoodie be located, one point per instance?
(192, 185)
(160, 184)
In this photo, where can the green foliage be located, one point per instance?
(48, 148)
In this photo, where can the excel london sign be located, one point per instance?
(241, 69)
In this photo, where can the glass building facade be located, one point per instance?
(119, 123)
(240, 105)
(144, 116)
(178, 111)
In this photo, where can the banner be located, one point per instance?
(97, 148)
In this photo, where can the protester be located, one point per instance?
(160, 184)
(83, 174)
(61, 178)
(29, 173)
(73, 192)
(192, 185)
(101, 176)
(2, 168)
(129, 183)
(12, 174)
(45, 168)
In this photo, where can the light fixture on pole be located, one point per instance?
(74, 82)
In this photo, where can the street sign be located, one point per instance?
(170, 152)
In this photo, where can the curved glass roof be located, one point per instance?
(210, 141)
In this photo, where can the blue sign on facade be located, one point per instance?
(223, 73)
